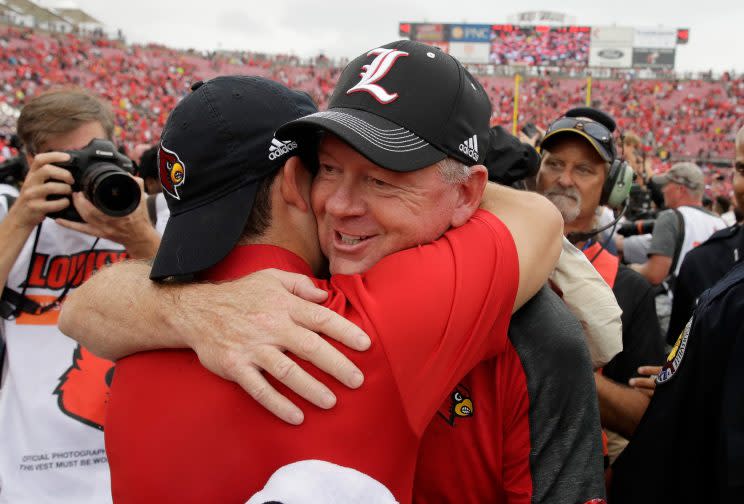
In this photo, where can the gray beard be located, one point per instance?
(569, 207)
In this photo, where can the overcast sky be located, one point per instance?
(348, 27)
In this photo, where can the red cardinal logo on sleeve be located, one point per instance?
(83, 389)
(172, 171)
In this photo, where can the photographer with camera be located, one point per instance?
(644, 197)
(706, 264)
(78, 209)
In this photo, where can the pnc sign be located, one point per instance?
(470, 33)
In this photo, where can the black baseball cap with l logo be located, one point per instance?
(217, 146)
(405, 106)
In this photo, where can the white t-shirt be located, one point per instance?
(729, 218)
(162, 213)
(53, 392)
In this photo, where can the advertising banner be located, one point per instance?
(470, 52)
(612, 36)
(428, 32)
(653, 58)
(659, 38)
(611, 57)
(611, 47)
(469, 33)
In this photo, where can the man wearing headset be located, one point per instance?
(580, 173)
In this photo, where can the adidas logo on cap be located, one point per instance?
(470, 147)
(278, 148)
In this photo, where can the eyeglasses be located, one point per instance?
(597, 131)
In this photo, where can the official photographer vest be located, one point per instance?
(53, 392)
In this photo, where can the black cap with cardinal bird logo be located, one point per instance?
(217, 146)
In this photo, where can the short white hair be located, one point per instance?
(453, 171)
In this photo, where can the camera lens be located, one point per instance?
(111, 189)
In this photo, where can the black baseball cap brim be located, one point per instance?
(380, 140)
(553, 135)
(197, 239)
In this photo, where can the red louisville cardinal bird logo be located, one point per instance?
(172, 171)
(83, 389)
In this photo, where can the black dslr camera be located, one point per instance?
(638, 227)
(103, 175)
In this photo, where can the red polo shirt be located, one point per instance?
(175, 432)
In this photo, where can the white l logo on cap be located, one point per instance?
(375, 71)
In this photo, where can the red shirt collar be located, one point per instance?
(246, 259)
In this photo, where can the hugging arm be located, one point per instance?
(537, 229)
(244, 328)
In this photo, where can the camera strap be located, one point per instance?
(13, 303)
(9, 200)
(670, 280)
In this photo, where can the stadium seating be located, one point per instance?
(675, 118)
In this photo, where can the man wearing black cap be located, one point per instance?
(358, 187)
(390, 210)
(580, 172)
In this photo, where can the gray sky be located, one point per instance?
(346, 28)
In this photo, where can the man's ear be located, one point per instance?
(470, 194)
(295, 186)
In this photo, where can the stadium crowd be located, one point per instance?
(680, 119)
(539, 364)
(548, 48)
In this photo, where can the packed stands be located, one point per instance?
(675, 118)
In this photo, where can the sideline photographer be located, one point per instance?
(47, 377)
(645, 199)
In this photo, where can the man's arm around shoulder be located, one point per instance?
(237, 328)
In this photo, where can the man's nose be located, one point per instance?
(565, 179)
(346, 200)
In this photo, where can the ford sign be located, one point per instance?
(611, 54)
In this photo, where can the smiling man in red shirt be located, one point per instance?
(361, 179)
(367, 206)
